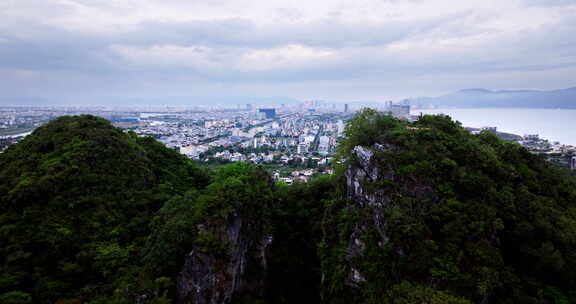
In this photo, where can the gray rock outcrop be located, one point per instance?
(215, 277)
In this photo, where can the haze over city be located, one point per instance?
(287, 152)
(87, 52)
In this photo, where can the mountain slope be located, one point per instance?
(76, 197)
(421, 212)
(479, 98)
(432, 213)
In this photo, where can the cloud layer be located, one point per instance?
(85, 50)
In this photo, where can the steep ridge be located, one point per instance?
(431, 213)
(228, 232)
(421, 212)
(76, 197)
(482, 98)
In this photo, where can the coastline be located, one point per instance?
(555, 125)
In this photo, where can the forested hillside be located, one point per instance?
(77, 198)
(431, 213)
(421, 212)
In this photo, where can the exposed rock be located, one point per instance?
(213, 278)
(356, 176)
(369, 166)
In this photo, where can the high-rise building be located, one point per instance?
(324, 144)
(340, 127)
(270, 113)
(400, 111)
(489, 129)
(345, 108)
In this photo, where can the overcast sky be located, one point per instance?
(87, 50)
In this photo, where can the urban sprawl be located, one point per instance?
(294, 142)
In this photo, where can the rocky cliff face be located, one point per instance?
(239, 267)
(369, 169)
(228, 259)
(356, 176)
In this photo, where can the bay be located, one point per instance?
(552, 124)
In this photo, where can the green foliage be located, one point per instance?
(76, 200)
(201, 220)
(172, 233)
(294, 264)
(90, 214)
(407, 293)
(365, 129)
(468, 215)
(15, 297)
(556, 295)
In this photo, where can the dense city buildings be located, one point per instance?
(268, 113)
(402, 111)
(294, 142)
(283, 138)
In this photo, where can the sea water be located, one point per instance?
(552, 124)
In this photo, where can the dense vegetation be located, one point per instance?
(90, 214)
(451, 217)
(76, 199)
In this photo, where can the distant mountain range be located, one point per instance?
(483, 98)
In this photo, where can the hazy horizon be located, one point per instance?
(82, 52)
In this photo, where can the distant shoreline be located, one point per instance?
(555, 125)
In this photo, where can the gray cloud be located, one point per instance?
(548, 3)
(242, 32)
(48, 50)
